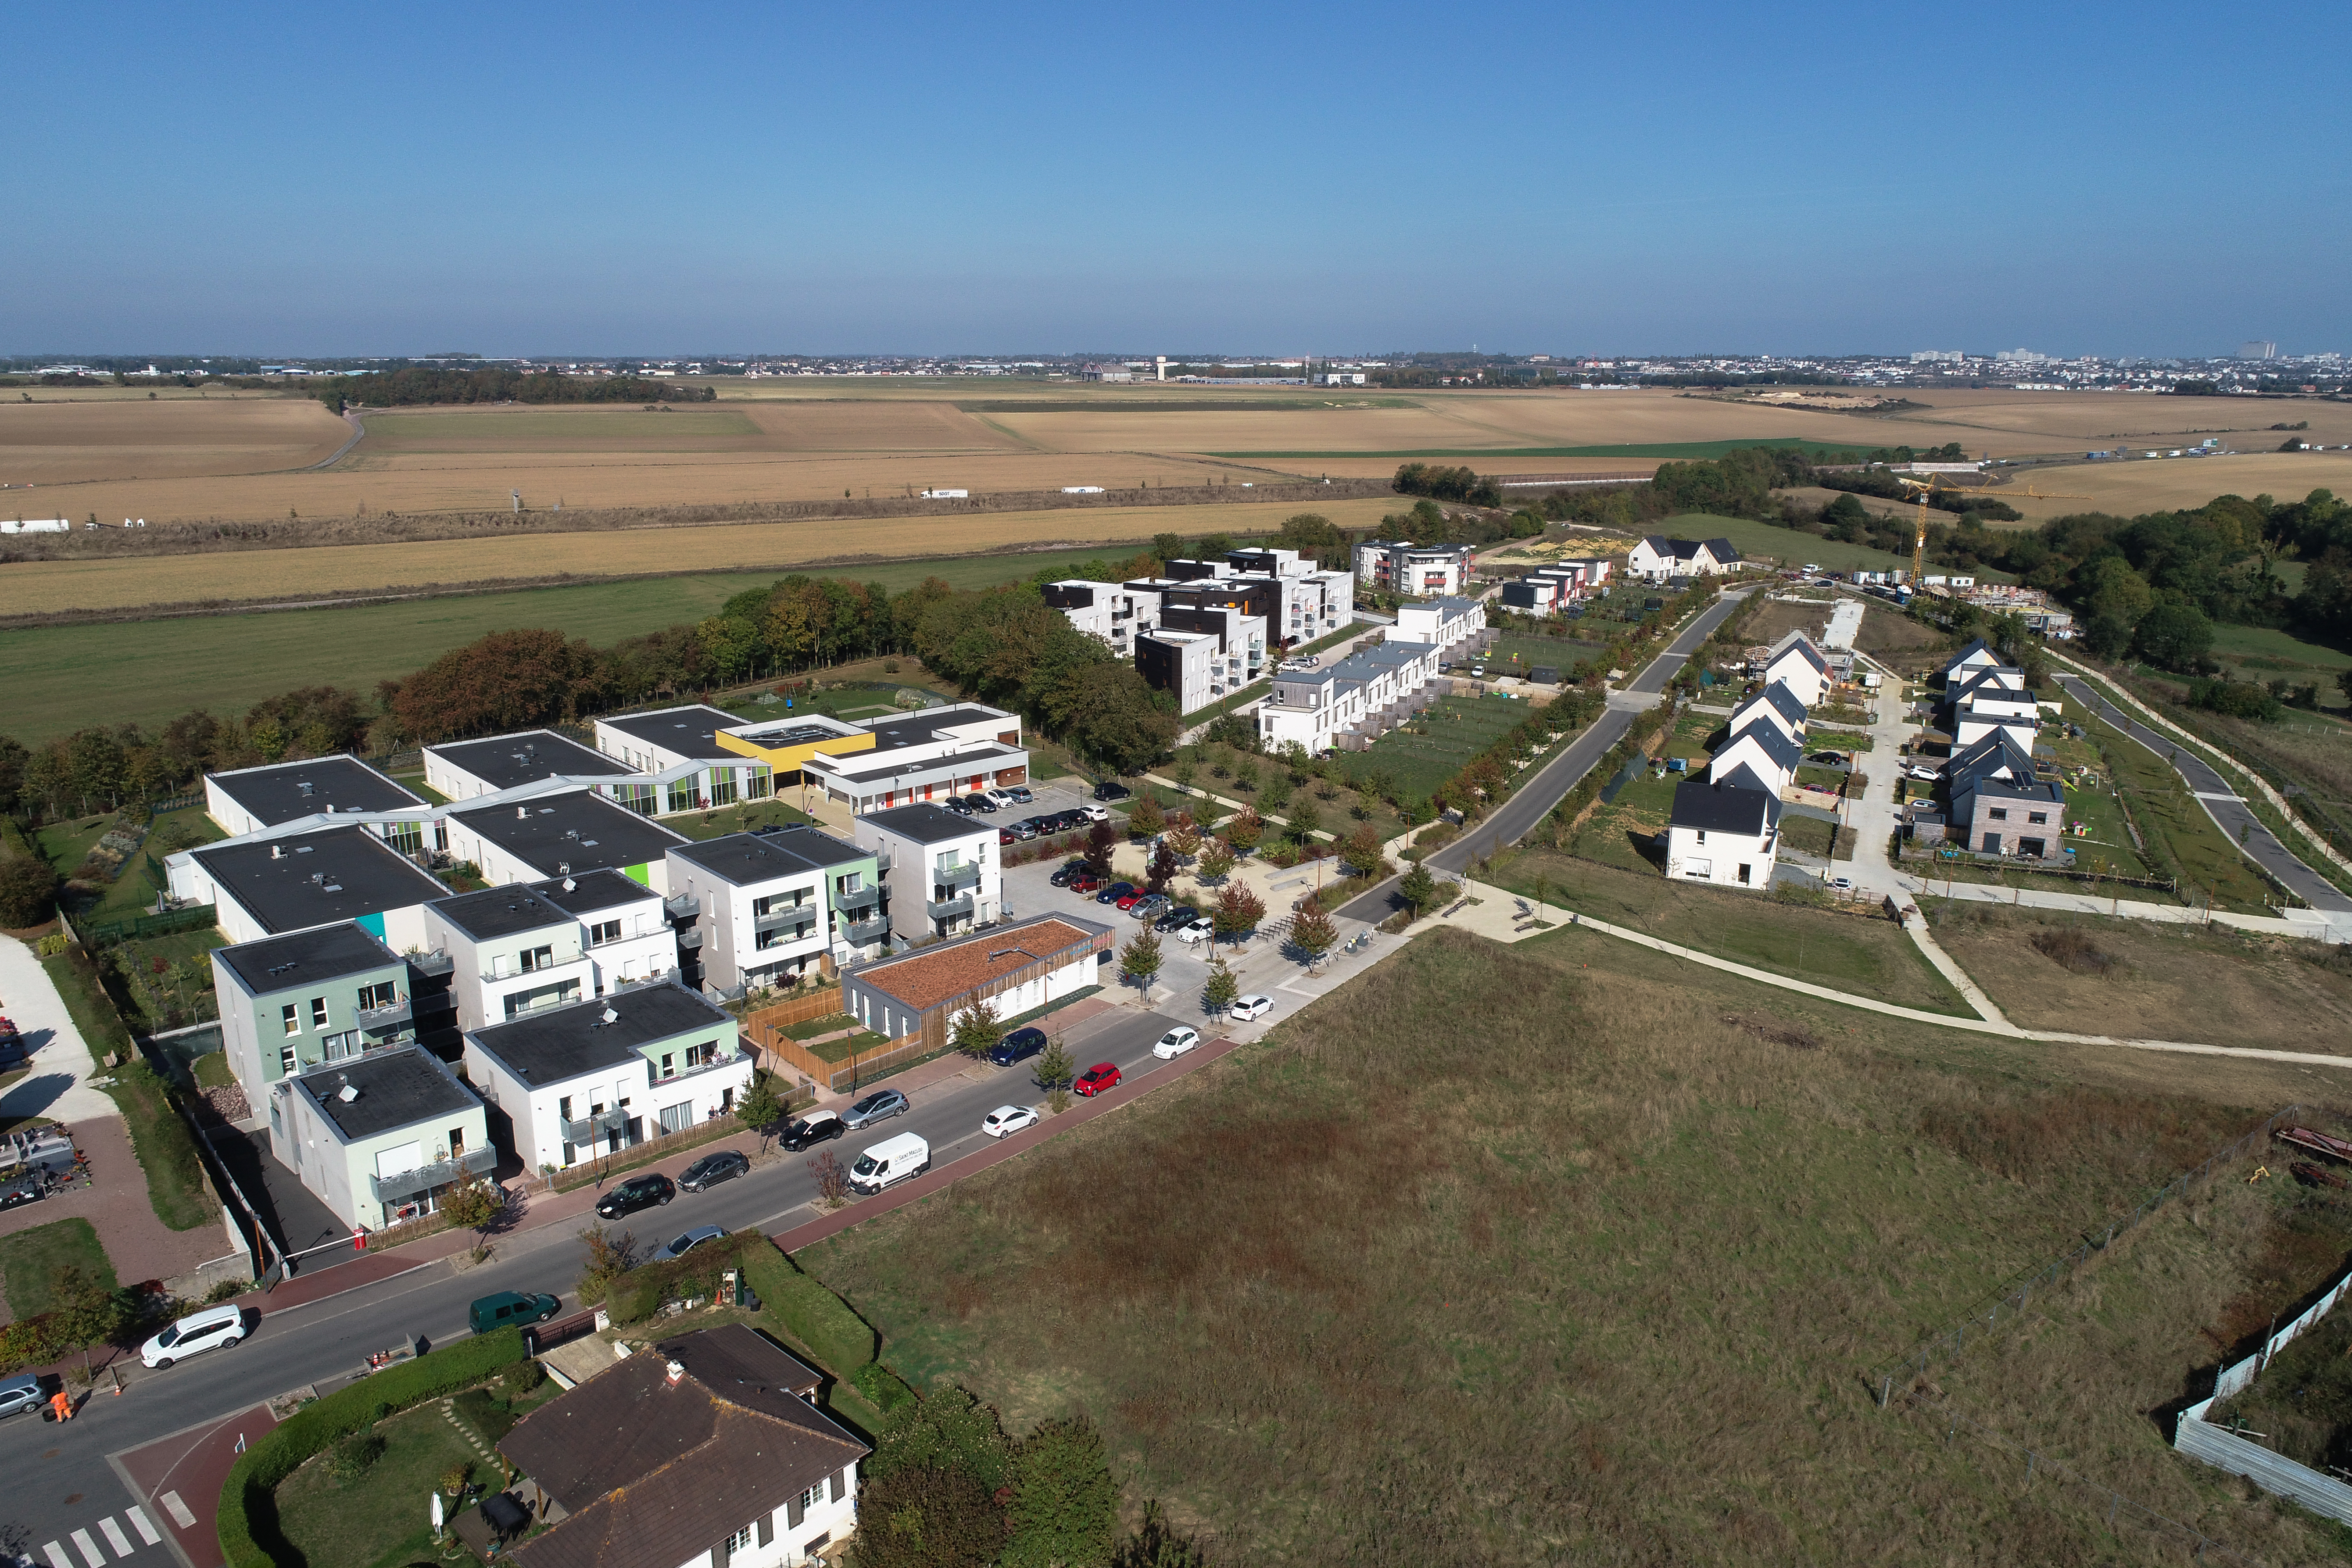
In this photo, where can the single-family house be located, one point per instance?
(1978, 654)
(779, 904)
(380, 1138)
(1998, 755)
(246, 800)
(1015, 968)
(2017, 713)
(567, 1084)
(1657, 559)
(941, 872)
(1798, 663)
(1726, 834)
(2002, 816)
(703, 1451)
(1763, 750)
(1775, 705)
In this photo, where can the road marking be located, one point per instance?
(115, 1538)
(178, 1510)
(2234, 799)
(58, 1558)
(147, 1533)
(89, 1549)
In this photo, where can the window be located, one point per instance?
(741, 1540)
(1998, 813)
(286, 1065)
(602, 933)
(677, 1118)
(813, 1496)
(341, 1048)
(317, 1012)
(2037, 818)
(703, 1054)
(668, 1065)
(563, 1108)
(538, 958)
(379, 995)
(1702, 835)
(293, 1017)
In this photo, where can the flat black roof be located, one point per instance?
(502, 911)
(572, 827)
(927, 824)
(504, 762)
(282, 962)
(591, 891)
(920, 729)
(396, 1089)
(986, 753)
(285, 791)
(688, 732)
(743, 859)
(558, 1042)
(316, 878)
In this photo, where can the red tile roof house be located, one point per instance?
(1017, 968)
(704, 1451)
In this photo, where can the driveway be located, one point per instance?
(58, 1087)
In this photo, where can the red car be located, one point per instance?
(1098, 1077)
(1005, 836)
(1131, 898)
(1085, 882)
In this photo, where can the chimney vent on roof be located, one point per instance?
(677, 1370)
(523, 811)
(278, 852)
(301, 787)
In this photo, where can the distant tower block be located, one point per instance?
(1161, 365)
(2258, 347)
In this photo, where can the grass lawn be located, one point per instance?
(1752, 537)
(2174, 827)
(1433, 745)
(741, 817)
(1564, 654)
(211, 1070)
(30, 1259)
(1871, 957)
(1616, 1237)
(2238, 644)
(414, 784)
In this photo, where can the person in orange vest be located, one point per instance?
(62, 1402)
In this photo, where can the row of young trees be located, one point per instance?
(412, 384)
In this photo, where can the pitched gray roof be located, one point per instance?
(1725, 807)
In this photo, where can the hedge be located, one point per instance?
(248, 1507)
(639, 1293)
(841, 1340)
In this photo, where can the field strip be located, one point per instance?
(311, 570)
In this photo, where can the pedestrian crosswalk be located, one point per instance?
(92, 1555)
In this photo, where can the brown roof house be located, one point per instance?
(1017, 968)
(703, 1451)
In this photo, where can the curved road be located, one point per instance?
(1516, 816)
(2228, 809)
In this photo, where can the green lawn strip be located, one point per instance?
(741, 817)
(31, 1260)
(382, 1516)
(864, 1043)
(212, 1070)
(1862, 955)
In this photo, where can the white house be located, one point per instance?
(512, 951)
(1656, 558)
(1976, 656)
(380, 1138)
(776, 906)
(1350, 702)
(925, 754)
(571, 1083)
(1763, 752)
(1726, 834)
(1111, 612)
(1775, 705)
(1447, 622)
(246, 800)
(1799, 665)
(941, 871)
(2018, 714)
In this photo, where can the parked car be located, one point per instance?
(1115, 892)
(1006, 836)
(1007, 1120)
(1107, 790)
(20, 1191)
(1021, 795)
(958, 805)
(1199, 932)
(679, 1246)
(1827, 759)
(1148, 907)
(880, 1106)
(1018, 1045)
(712, 1169)
(1129, 899)
(215, 1328)
(1092, 814)
(21, 1394)
(1026, 828)
(1096, 1079)
(1085, 882)
(1248, 1009)
(1002, 797)
(507, 1307)
(891, 1161)
(1068, 874)
(1177, 917)
(1175, 1043)
(980, 803)
(644, 1192)
(810, 1130)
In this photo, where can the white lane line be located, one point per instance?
(89, 1549)
(114, 1537)
(138, 1517)
(178, 1510)
(58, 1558)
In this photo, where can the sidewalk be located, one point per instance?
(178, 1479)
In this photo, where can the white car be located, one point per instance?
(1007, 1120)
(1095, 812)
(1199, 932)
(1002, 797)
(1175, 1043)
(215, 1328)
(1249, 1009)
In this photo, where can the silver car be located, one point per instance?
(880, 1106)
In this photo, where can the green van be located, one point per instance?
(511, 1307)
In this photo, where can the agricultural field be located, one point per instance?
(854, 546)
(1631, 1285)
(49, 445)
(2127, 489)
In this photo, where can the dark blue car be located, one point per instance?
(1016, 1046)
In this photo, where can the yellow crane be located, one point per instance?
(1934, 485)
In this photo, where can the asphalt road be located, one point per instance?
(2221, 802)
(66, 1484)
(1517, 817)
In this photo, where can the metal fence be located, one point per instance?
(2009, 1302)
(2240, 1455)
(97, 934)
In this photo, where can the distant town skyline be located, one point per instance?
(1817, 179)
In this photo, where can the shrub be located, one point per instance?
(883, 1388)
(523, 1377)
(357, 1454)
(636, 1295)
(824, 1323)
(28, 891)
(2070, 949)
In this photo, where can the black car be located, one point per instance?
(1069, 874)
(1070, 821)
(1018, 1045)
(1107, 791)
(713, 1169)
(1182, 915)
(1115, 892)
(648, 1190)
(980, 803)
(957, 804)
(812, 1129)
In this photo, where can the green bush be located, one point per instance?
(638, 1294)
(248, 1510)
(840, 1340)
(523, 1377)
(357, 1454)
(883, 1388)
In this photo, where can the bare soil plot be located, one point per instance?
(45, 444)
(1334, 429)
(2141, 981)
(537, 429)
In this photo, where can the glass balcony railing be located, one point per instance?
(440, 1173)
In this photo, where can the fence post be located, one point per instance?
(1886, 1391)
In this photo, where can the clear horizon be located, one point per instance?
(2127, 181)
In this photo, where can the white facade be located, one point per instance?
(1721, 858)
(1357, 698)
(1444, 622)
(926, 755)
(1750, 749)
(772, 906)
(942, 871)
(1978, 720)
(1111, 612)
(1421, 571)
(1797, 665)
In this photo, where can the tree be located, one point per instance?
(1145, 818)
(1183, 834)
(610, 1256)
(1305, 822)
(1418, 889)
(759, 1108)
(1140, 959)
(1102, 841)
(29, 890)
(1155, 1543)
(1065, 1505)
(1238, 912)
(1056, 1073)
(976, 1030)
(1161, 870)
(1245, 830)
(473, 1205)
(1223, 985)
(1363, 852)
(921, 1518)
(2175, 637)
(1312, 932)
(85, 1313)
(1216, 860)
(1277, 793)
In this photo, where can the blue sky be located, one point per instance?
(1564, 178)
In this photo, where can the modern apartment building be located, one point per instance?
(1416, 571)
(941, 871)
(924, 755)
(1348, 705)
(777, 905)
(246, 800)
(318, 997)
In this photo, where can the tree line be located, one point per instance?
(497, 383)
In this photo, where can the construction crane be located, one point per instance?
(1934, 485)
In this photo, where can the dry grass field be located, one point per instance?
(277, 576)
(51, 444)
(2128, 488)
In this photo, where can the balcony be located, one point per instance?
(684, 907)
(800, 918)
(436, 964)
(733, 1059)
(588, 1128)
(858, 933)
(950, 910)
(690, 941)
(440, 1173)
(391, 1015)
(964, 876)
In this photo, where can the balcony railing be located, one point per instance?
(392, 1014)
(684, 907)
(953, 908)
(858, 933)
(434, 964)
(801, 915)
(729, 1059)
(966, 875)
(587, 1129)
(440, 1173)
(689, 940)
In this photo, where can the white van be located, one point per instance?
(891, 1161)
(210, 1329)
